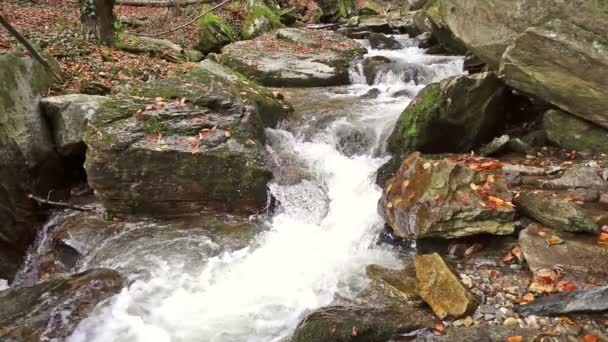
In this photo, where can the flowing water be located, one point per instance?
(316, 244)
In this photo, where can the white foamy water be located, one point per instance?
(316, 247)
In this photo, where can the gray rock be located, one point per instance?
(375, 23)
(555, 212)
(581, 301)
(578, 176)
(371, 94)
(582, 260)
(51, 310)
(495, 146)
(571, 132)
(379, 41)
(521, 169)
(425, 40)
(69, 115)
(482, 333)
(294, 58)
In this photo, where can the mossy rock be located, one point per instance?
(181, 156)
(370, 7)
(260, 19)
(213, 33)
(333, 10)
(571, 132)
(455, 115)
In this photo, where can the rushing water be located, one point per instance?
(318, 242)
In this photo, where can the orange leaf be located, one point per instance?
(439, 327)
(496, 200)
(590, 338)
(515, 339)
(528, 297)
(567, 320)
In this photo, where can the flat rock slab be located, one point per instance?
(582, 260)
(51, 310)
(447, 199)
(579, 176)
(555, 212)
(581, 301)
(294, 58)
(400, 284)
(179, 146)
(442, 289)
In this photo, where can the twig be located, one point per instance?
(30, 48)
(182, 3)
(184, 25)
(41, 200)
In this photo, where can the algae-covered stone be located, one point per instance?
(357, 324)
(69, 115)
(333, 10)
(576, 80)
(437, 198)
(294, 58)
(555, 212)
(260, 19)
(466, 110)
(200, 147)
(373, 65)
(401, 284)
(51, 310)
(370, 7)
(571, 132)
(441, 289)
(213, 33)
(379, 41)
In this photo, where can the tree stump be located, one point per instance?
(97, 19)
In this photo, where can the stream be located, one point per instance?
(311, 249)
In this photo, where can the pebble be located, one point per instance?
(466, 280)
(489, 317)
(531, 322)
(468, 321)
(458, 323)
(510, 321)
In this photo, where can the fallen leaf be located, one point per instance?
(554, 240)
(473, 186)
(355, 331)
(499, 202)
(568, 287)
(439, 327)
(426, 165)
(590, 338)
(528, 297)
(567, 320)
(515, 339)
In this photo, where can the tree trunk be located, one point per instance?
(97, 19)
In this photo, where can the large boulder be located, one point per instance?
(332, 10)
(488, 27)
(572, 132)
(447, 199)
(294, 58)
(51, 310)
(442, 290)
(555, 212)
(28, 162)
(213, 33)
(180, 145)
(467, 110)
(344, 324)
(576, 80)
(69, 115)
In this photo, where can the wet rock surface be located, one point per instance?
(381, 42)
(50, 310)
(294, 58)
(430, 198)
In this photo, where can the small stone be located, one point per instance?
(510, 321)
(532, 322)
(489, 317)
(458, 323)
(466, 280)
(469, 321)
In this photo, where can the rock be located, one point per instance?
(571, 132)
(175, 157)
(495, 146)
(577, 82)
(69, 115)
(502, 22)
(213, 33)
(473, 64)
(581, 301)
(294, 58)
(555, 212)
(369, 7)
(578, 176)
(260, 19)
(468, 110)
(94, 88)
(51, 310)
(441, 289)
(428, 198)
(375, 23)
(333, 10)
(511, 321)
(580, 257)
(353, 141)
(401, 284)
(379, 41)
(425, 40)
(371, 94)
(354, 32)
(440, 29)
(522, 169)
(343, 324)
(28, 162)
(403, 23)
(416, 4)
(373, 65)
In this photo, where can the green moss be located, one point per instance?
(346, 8)
(213, 33)
(260, 19)
(370, 8)
(153, 126)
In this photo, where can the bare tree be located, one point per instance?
(97, 19)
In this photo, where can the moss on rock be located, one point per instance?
(572, 132)
(260, 19)
(213, 33)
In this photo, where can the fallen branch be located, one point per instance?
(132, 21)
(63, 205)
(184, 25)
(29, 47)
(179, 3)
